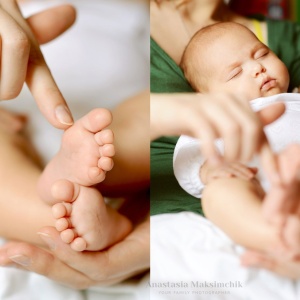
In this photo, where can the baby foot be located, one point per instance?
(84, 220)
(85, 154)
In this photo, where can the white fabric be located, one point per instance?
(187, 249)
(188, 159)
(99, 62)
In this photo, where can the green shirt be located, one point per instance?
(166, 77)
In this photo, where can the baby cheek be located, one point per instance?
(247, 89)
(285, 79)
(282, 76)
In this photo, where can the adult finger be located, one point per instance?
(272, 206)
(251, 258)
(227, 128)
(241, 171)
(15, 48)
(278, 265)
(271, 113)
(253, 137)
(267, 157)
(273, 202)
(289, 169)
(248, 128)
(199, 126)
(51, 23)
(40, 261)
(39, 79)
(269, 163)
(288, 203)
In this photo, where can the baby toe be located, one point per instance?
(107, 150)
(67, 236)
(96, 174)
(62, 224)
(105, 136)
(64, 191)
(106, 163)
(97, 120)
(60, 210)
(79, 244)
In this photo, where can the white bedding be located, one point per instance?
(187, 250)
(101, 61)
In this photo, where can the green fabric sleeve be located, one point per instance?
(166, 194)
(165, 75)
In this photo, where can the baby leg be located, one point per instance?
(22, 213)
(235, 205)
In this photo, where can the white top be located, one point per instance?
(188, 159)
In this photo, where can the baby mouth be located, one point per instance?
(267, 84)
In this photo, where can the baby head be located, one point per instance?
(228, 57)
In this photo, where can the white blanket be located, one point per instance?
(99, 62)
(192, 259)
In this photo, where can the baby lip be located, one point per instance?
(265, 82)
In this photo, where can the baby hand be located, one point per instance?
(209, 172)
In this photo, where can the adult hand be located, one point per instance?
(81, 270)
(22, 59)
(278, 265)
(283, 198)
(281, 205)
(208, 117)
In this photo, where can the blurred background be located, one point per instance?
(275, 9)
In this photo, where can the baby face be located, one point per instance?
(238, 62)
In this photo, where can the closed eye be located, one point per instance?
(261, 53)
(234, 73)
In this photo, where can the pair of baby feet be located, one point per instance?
(67, 183)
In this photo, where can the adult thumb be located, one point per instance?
(268, 159)
(271, 113)
(50, 23)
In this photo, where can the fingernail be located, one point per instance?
(21, 260)
(48, 240)
(63, 115)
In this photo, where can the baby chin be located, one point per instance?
(272, 91)
(271, 87)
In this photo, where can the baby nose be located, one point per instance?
(258, 69)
